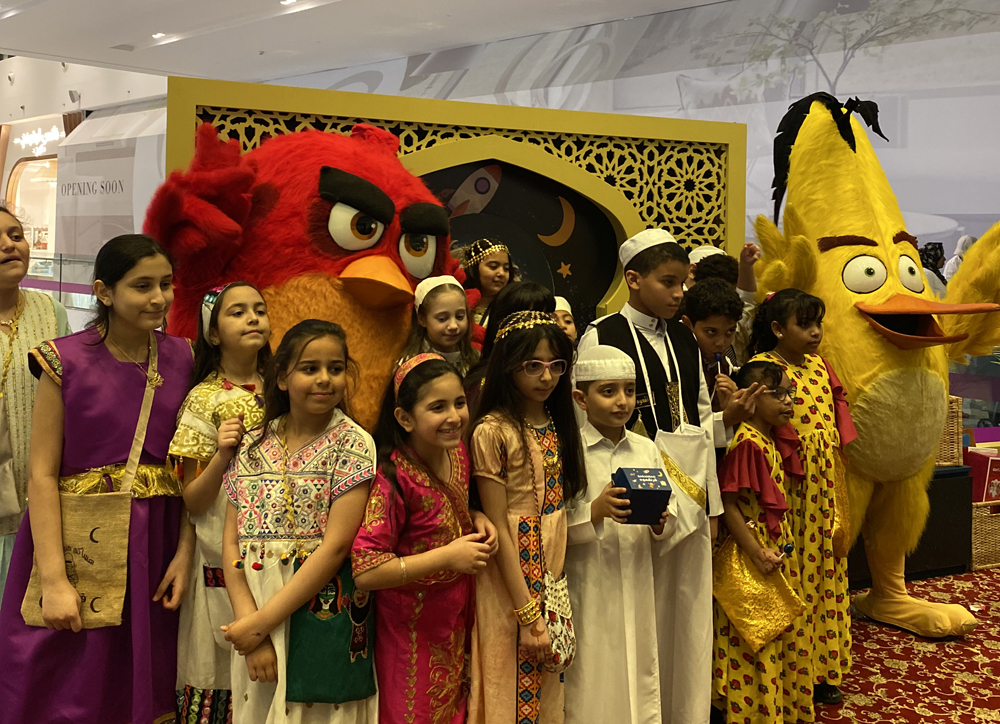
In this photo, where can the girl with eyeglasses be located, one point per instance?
(527, 460)
(787, 331)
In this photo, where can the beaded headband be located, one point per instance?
(524, 320)
(410, 364)
(207, 305)
(482, 248)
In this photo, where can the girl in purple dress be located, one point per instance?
(87, 409)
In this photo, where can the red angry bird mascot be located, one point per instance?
(327, 226)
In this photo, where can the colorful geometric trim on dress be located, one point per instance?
(47, 357)
(213, 577)
(204, 706)
(529, 674)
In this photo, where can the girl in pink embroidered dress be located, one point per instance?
(420, 546)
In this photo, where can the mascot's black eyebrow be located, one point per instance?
(424, 218)
(339, 186)
(788, 131)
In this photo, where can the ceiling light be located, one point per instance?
(157, 36)
(287, 2)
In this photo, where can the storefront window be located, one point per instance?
(31, 194)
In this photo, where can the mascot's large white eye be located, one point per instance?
(418, 252)
(864, 274)
(352, 229)
(909, 274)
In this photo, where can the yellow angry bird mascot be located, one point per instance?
(845, 241)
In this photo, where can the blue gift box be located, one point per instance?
(648, 490)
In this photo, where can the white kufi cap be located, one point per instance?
(562, 305)
(696, 255)
(425, 287)
(603, 363)
(642, 241)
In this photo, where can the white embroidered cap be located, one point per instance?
(562, 305)
(603, 363)
(696, 255)
(642, 241)
(424, 288)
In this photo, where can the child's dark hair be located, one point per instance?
(418, 332)
(389, 434)
(710, 298)
(116, 259)
(717, 266)
(208, 357)
(647, 260)
(476, 248)
(276, 400)
(780, 307)
(500, 396)
(766, 373)
(4, 209)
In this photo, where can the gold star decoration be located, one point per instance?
(564, 270)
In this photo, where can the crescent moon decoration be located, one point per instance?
(92, 538)
(92, 602)
(566, 230)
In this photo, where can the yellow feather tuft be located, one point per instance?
(977, 280)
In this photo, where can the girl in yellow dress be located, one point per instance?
(773, 684)
(787, 330)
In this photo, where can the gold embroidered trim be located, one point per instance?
(150, 481)
(685, 483)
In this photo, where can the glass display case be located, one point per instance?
(31, 194)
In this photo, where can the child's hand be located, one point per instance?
(175, 581)
(484, 526)
(767, 560)
(713, 527)
(245, 634)
(610, 504)
(230, 434)
(61, 607)
(658, 529)
(468, 554)
(742, 405)
(262, 663)
(725, 389)
(534, 641)
(749, 254)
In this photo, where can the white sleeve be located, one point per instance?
(742, 339)
(720, 431)
(579, 527)
(588, 340)
(708, 423)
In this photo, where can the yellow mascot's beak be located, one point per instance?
(907, 322)
(376, 282)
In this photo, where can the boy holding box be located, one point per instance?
(610, 564)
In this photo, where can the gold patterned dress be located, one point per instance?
(774, 684)
(506, 688)
(819, 511)
(203, 654)
(422, 628)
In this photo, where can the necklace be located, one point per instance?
(11, 338)
(153, 377)
(787, 363)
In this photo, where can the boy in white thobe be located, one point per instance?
(609, 565)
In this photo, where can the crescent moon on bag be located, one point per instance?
(92, 538)
(566, 230)
(92, 602)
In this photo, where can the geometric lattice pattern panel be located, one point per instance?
(680, 186)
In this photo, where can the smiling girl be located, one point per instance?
(488, 265)
(420, 546)
(86, 415)
(297, 491)
(527, 461)
(231, 354)
(441, 323)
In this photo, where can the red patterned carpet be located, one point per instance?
(898, 677)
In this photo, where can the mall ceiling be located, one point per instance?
(256, 40)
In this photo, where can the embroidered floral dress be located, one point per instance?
(258, 483)
(422, 628)
(506, 687)
(773, 684)
(203, 654)
(820, 516)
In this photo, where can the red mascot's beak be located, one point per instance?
(376, 282)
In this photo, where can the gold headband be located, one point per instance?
(524, 320)
(491, 247)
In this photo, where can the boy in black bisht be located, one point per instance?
(673, 409)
